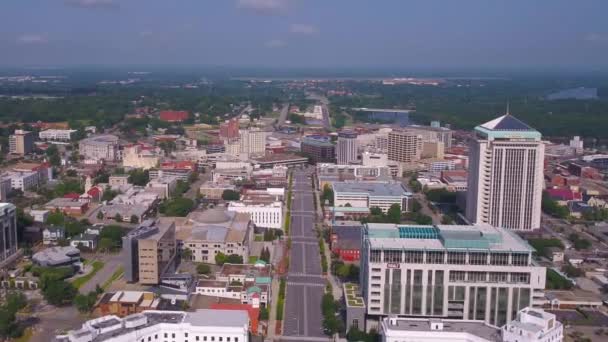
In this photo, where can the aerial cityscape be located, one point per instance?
(285, 170)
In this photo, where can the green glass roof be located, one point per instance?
(406, 232)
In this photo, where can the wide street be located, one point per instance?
(305, 282)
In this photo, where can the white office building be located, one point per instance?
(99, 148)
(22, 180)
(57, 134)
(370, 195)
(263, 215)
(506, 175)
(471, 273)
(346, 148)
(253, 141)
(8, 231)
(175, 326)
(531, 325)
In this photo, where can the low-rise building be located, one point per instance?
(39, 215)
(68, 206)
(530, 325)
(124, 303)
(280, 159)
(99, 148)
(250, 284)
(141, 156)
(213, 191)
(118, 181)
(23, 180)
(200, 325)
(345, 240)
(52, 234)
(328, 173)
(166, 183)
(57, 256)
(370, 195)
(207, 233)
(57, 134)
(84, 240)
(455, 180)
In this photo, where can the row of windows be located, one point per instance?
(454, 258)
(491, 277)
(196, 338)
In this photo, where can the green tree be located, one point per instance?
(220, 258)
(203, 269)
(85, 302)
(231, 195)
(177, 207)
(55, 218)
(73, 228)
(59, 292)
(327, 195)
(375, 211)
(100, 215)
(114, 233)
(394, 213)
(264, 315)
(139, 177)
(105, 244)
(134, 219)
(118, 217)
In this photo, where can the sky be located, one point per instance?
(306, 33)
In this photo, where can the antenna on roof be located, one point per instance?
(508, 111)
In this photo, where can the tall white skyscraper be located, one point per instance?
(346, 149)
(506, 175)
(253, 141)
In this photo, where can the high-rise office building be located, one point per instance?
(318, 148)
(346, 149)
(505, 180)
(21, 142)
(478, 273)
(8, 231)
(253, 141)
(149, 251)
(404, 146)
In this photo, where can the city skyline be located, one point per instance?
(290, 33)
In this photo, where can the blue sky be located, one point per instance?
(306, 33)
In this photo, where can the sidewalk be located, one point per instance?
(273, 308)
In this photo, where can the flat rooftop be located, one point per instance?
(204, 317)
(444, 237)
(371, 189)
(453, 326)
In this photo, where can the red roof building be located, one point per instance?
(251, 311)
(563, 194)
(72, 195)
(179, 165)
(173, 115)
(229, 129)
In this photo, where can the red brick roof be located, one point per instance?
(72, 195)
(173, 115)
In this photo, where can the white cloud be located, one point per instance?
(596, 37)
(303, 29)
(95, 4)
(275, 43)
(32, 39)
(265, 7)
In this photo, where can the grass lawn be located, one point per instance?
(78, 282)
(117, 274)
(253, 259)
